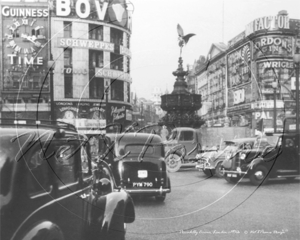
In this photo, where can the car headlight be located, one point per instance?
(242, 156)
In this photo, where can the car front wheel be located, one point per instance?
(173, 162)
(258, 175)
(208, 172)
(231, 180)
(219, 172)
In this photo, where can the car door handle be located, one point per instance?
(83, 196)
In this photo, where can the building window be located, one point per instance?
(96, 32)
(116, 61)
(68, 86)
(96, 87)
(116, 36)
(128, 41)
(117, 90)
(128, 92)
(128, 65)
(95, 59)
(67, 29)
(67, 57)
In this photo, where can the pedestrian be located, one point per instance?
(164, 133)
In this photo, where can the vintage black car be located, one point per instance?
(263, 162)
(210, 161)
(49, 189)
(138, 163)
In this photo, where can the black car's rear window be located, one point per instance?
(137, 149)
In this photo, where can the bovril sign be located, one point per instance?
(115, 10)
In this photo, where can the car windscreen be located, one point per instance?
(231, 148)
(173, 135)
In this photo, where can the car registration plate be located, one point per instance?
(142, 184)
(142, 173)
(231, 175)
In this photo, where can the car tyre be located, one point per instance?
(173, 162)
(259, 175)
(231, 179)
(160, 198)
(208, 172)
(218, 172)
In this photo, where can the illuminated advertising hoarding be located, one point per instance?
(272, 46)
(25, 54)
(109, 11)
(239, 65)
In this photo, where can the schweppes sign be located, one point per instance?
(111, 11)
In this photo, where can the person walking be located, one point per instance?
(164, 133)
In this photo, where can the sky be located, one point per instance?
(154, 39)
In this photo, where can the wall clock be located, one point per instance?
(25, 36)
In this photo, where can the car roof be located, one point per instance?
(140, 138)
(39, 131)
(240, 140)
(184, 129)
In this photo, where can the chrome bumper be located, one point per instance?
(240, 173)
(149, 191)
(204, 165)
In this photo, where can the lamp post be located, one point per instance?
(106, 105)
(274, 86)
(297, 61)
(51, 66)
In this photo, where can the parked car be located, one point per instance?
(210, 162)
(49, 189)
(280, 160)
(182, 147)
(138, 163)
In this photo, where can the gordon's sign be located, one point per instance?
(112, 11)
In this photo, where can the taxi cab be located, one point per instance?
(49, 189)
(138, 164)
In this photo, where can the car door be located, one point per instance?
(34, 188)
(187, 139)
(70, 195)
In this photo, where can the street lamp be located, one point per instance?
(51, 66)
(297, 61)
(274, 86)
(106, 104)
